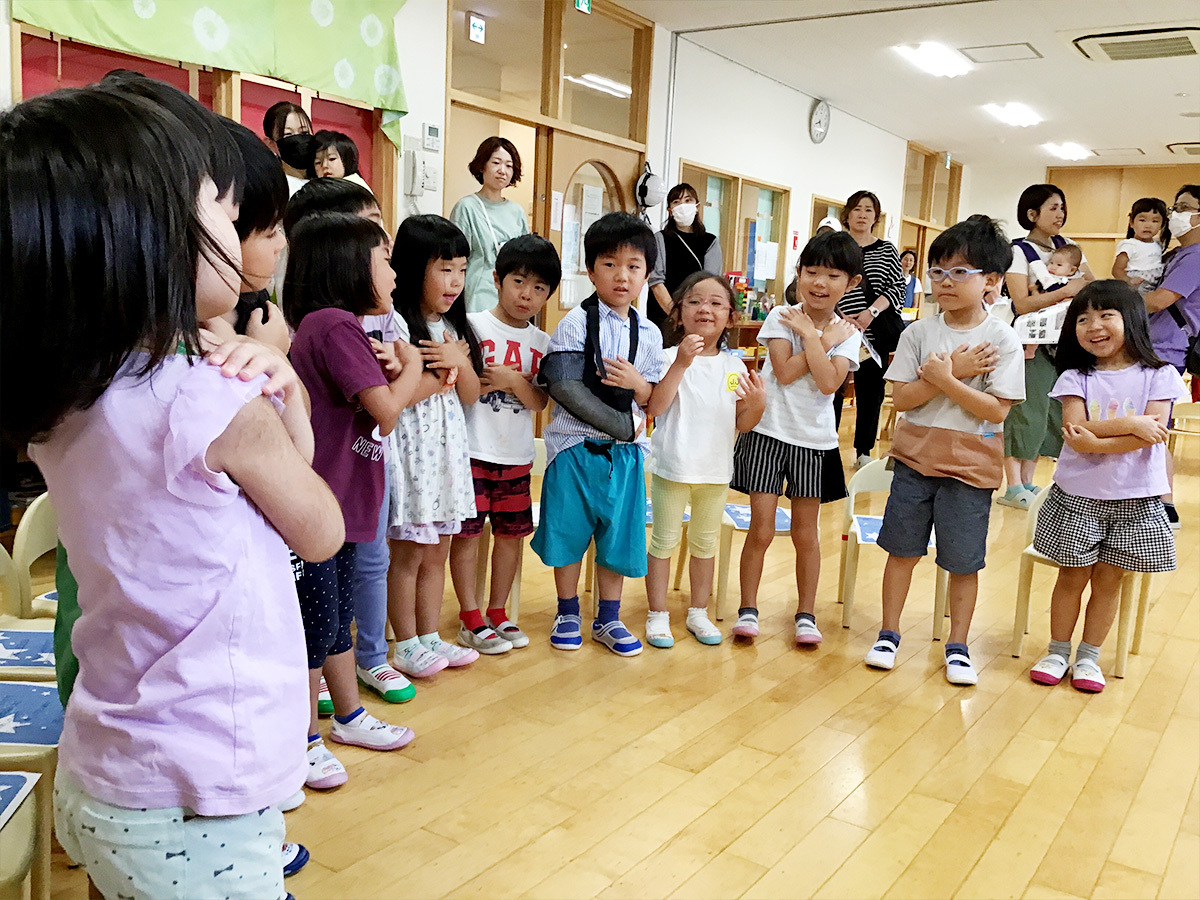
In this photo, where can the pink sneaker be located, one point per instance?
(418, 661)
(747, 625)
(454, 655)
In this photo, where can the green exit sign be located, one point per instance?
(584, 6)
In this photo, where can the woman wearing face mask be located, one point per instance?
(684, 247)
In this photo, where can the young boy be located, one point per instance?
(500, 432)
(594, 487)
(948, 448)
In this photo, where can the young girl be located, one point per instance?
(705, 399)
(1104, 514)
(433, 491)
(1139, 259)
(185, 721)
(337, 273)
(811, 348)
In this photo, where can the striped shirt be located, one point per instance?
(881, 267)
(564, 429)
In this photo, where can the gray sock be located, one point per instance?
(1060, 648)
(1087, 651)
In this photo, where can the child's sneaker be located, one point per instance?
(658, 630)
(454, 656)
(1086, 676)
(1050, 669)
(294, 858)
(959, 669)
(364, 730)
(1017, 496)
(566, 633)
(417, 661)
(616, 637)
(699, 626)
(324, 700)
(747, 623)
(324, 770)
(511, 633)
(1172, 516)
(883, 654)
(487, 641)
(387, 683)
(292, 802)
(807, 633)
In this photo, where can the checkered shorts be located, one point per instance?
(1133, 534)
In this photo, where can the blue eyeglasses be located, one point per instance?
(958, 273)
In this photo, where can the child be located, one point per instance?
(1139, 259)
(594, 488)
(793, 450)
(500, 431)
(948, 449)
(1061, 267)
(705, 399)
(432, 490)
(338, 271)
(185, 719)
(334, 155)
(1104, 514)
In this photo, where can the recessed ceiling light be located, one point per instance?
(1016, 114)
(936, 59)
(601, 84)
(1068, 150)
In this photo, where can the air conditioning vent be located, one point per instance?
(1185, 148)
(1151, 43)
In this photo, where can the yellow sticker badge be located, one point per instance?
(731, 382)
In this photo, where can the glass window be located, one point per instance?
(586, 199)
(597, 71)
(914, 179)
(507, 66)
(941, 193)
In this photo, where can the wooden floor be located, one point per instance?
(761, 770)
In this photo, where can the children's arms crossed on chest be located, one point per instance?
(1118, 435)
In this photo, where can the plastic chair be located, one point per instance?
(37, 535)
(1185, 421)
(859, 531)
(18, 833)
(1127, 639)
(21, 656)
(737, 518)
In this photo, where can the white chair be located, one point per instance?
(26, 645)
(1127, 638)
(1185, 422)
(18, 831)
(37, 535)
(737, 518)
(862, 530)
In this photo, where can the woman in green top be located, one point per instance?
(487, 219)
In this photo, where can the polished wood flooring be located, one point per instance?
(761, 770)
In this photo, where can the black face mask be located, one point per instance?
(296, 150)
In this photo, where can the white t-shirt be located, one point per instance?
(693, 439)
(390, 326)
(1145, 262)
(499, 426)
(798, 413)
(1020, 266)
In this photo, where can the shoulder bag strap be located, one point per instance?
(689, 249)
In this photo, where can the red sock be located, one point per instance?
(472, 618)
(497, 616)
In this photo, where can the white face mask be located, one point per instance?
(684, 214)
(1180, 223)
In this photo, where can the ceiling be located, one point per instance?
(841, 51)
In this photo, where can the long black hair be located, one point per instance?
(1111, 293)
(329, 265)
(421, 240)
(99, 242)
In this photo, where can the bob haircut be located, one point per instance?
(484, 153)
(530, 255)
(1111, 293)
(909, 252)
(420, 242)
(275, 119)
(979, 240)
(1033, 198)
(327, 195)
(680, 190)
(329, 265)
(99, 242)
(853, 200)
(1151, 205)
(615, 230)
(833, 250)
(264, 186)
(675, 316)
(342, 143)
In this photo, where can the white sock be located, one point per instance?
(697, 612)
(658, 618)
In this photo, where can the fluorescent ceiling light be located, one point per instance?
(1016, 114)
(601, 84)
(1068, 150)
(935, 58)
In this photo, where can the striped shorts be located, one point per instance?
(767, 465)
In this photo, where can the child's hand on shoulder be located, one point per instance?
(501, 378)
(798, 321)
(622, 374)
(689, 348)
(246, 359)
(837, 333)
(937, 369)
(388, 361)
(1148, 429)
(967, 362)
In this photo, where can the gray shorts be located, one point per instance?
(919, 503)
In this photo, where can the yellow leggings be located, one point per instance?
(668, 500)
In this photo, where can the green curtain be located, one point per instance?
(345, 47)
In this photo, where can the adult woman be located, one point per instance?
(912, 284)
(487, 219)
(282, 120)
(684, 247)
(874, 306)
(1034, 428)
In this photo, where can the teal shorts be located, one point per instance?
(594, 490)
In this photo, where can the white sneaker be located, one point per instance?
(511, 633)
(387, 683)
(292, 802)
(658, 630)
(862, 460)
(882, 655)
(703, 630)
(487, 641)
(453, 655)
(324, 770)
(807, 632)
(364, 730)
(959, 669)
(417, 661)
(746, 625)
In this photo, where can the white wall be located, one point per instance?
(5, 55)
(994, 190)
(421, 34)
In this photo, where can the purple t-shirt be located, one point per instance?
(1181, 277)
(1111, 394)
(335, 361)
(192, 687)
